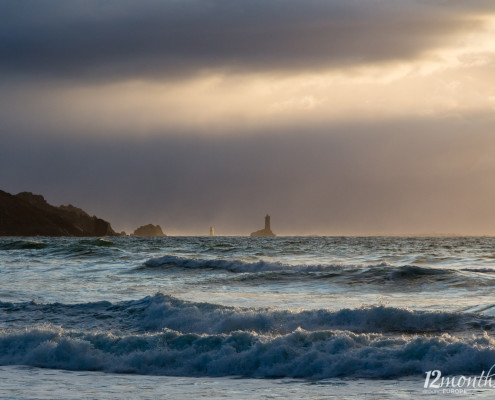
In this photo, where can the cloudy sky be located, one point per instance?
(334, 116)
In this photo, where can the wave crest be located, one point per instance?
(154, 313)
(299, 354)
(348, 275)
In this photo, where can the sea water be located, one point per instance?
(240, 317)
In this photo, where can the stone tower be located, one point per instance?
(267, 223)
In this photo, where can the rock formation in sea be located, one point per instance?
(149, 230)
(266, 232)
(28, 214)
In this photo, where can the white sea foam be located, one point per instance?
(323, 319)
(299, 354)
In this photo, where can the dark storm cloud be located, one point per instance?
(119, 39)
(407, 176)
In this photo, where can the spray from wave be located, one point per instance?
(161, 334)
(299, 354)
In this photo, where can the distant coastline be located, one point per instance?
(28, 214)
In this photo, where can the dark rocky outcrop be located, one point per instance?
(149, 230)
(28, 214)
(266, 232)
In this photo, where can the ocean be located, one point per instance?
(243, 318)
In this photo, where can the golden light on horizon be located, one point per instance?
(348, 90)
(452, 79)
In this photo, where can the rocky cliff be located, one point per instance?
(28, 214)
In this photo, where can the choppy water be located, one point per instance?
(243, 317)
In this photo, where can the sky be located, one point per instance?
(336, 117)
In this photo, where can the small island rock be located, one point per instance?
(149, 230)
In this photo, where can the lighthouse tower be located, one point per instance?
(265, 232)
(267, 223)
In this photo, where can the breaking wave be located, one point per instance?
(154, 313)
(343, 274)
(234, 265)
(163, 335)
(299, 354)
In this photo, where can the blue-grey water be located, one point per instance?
(239, 317)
